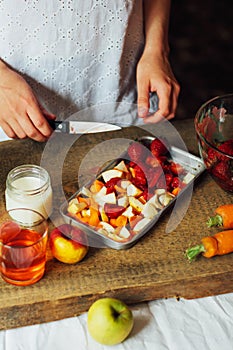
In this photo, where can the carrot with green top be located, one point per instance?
(223, 217)
(220, 243)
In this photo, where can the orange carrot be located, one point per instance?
(219, 244)
(120, 221)
(84, 200)
(223, 217)
(96, 186)
(84, 219)
(176, 191)
(94, 217)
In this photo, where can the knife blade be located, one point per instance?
(81, 127)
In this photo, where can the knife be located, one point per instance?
(81, 127)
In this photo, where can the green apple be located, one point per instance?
(109, 321)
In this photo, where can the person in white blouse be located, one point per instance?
(60, 57)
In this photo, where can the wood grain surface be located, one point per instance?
(153, 268)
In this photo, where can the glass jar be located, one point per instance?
(28, 186)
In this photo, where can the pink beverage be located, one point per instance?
(23, 252)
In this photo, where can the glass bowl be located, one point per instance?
(214, 128)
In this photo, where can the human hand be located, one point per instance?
(21, 116)
(154, 74)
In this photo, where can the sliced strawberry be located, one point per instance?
(158, 147)
(113, 210)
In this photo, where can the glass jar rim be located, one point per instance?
(28, 170)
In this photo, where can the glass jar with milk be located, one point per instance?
(29, 186)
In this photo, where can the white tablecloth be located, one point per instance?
(200, 324)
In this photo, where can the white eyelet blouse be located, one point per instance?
(77, 53)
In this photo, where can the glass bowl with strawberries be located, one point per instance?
(214, 128)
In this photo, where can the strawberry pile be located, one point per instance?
(125, 198)
(221, 166)
(155, 168)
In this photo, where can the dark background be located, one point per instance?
(201, 44)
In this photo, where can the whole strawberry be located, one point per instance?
(222, 171)
(136, 151)
(226, 147)
(158, 147)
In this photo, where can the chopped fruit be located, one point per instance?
(133, 191)
(149, 210)
(124, 199)
(141, 224)
(107, 198)
(113, 210)
(76, 207)
(188, 177)
(176, 191)
(104, 216)
(160, 191)
(110, 184)
(122, 167)
(155, 201)
(120, 221)
(124, 232)
(94, 217)
(86, 192)
(165, 198)
(85, 212)
(128, 212)
(136, 204)
(107, 227)
(96, 186)
(84, 199)
(110, 174)
(125, 184)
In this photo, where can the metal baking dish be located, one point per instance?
(190, 162)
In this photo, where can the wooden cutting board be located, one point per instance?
(153, 268)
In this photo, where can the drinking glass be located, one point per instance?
(23, 245)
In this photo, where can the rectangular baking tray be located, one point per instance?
(190, 162)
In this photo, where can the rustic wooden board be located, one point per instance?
(154, 268)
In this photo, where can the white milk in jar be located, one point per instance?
(28, 186)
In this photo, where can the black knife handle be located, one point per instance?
(59, 126)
